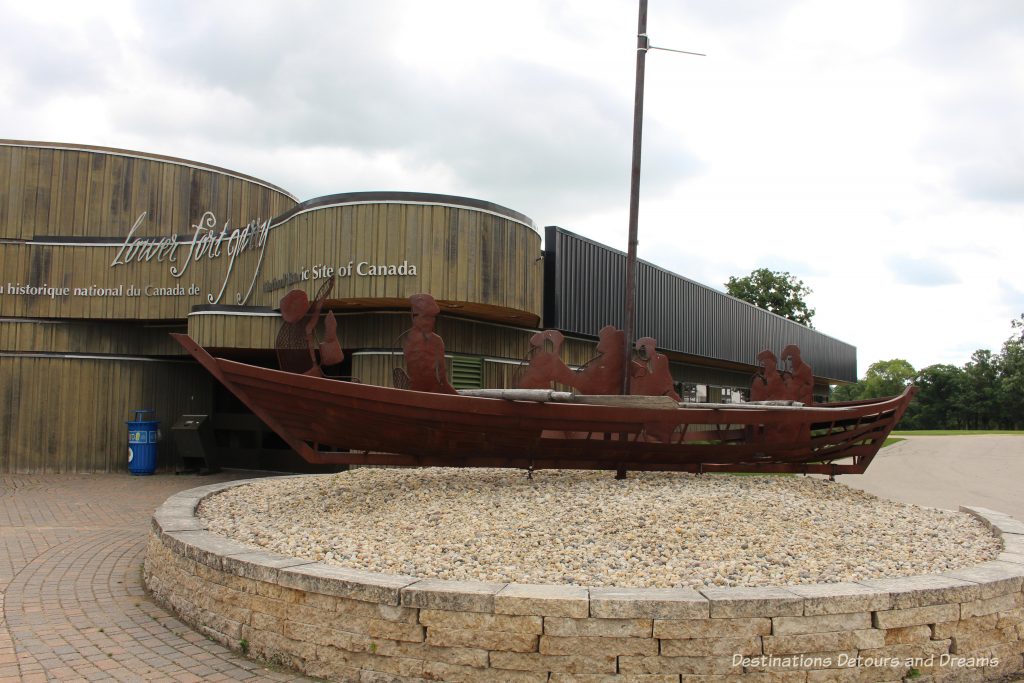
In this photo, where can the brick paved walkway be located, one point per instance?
(72, 604)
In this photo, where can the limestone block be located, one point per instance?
(907, 635)
(321, 635)
(822, 642)
(806, 661)
(729, 603)
(218, 624)
(1013, 558)
(208, 601)
(345, 583)
(863, 674)
(948, 629)
(821, 623)
(993, 578)
(932, 648)
(758, 677)
(596, 645)
(488, 640)
(710, 647)
(617, 678)
(202, 547)
(972, 642)
(167, 520)
(481, 621)
(840, 598)
(266, 644)
(1013, 617)
(647, 603)
(531, 661)
(277, 592)
(463, 656)
(1013, 543)
(440, 671)
(266, 622)
(615, 628)
(458, 596)
(543, 600)
(701, 666)
(381, 628)
(259, 565)
(924, 590)
(712, 628)
(1000, 603)
(407, 615)
(915, 616)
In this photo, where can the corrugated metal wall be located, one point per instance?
(583, 292)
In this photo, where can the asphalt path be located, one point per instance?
(949, 471)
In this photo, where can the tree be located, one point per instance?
(980, 389)
(1010, 389)
(848, 392)
(939, 396)
(778, 292)
(888, 378)
(883, 378)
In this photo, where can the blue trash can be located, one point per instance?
(143, 436)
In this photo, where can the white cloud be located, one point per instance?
(833, 141)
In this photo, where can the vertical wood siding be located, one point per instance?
(68, 414)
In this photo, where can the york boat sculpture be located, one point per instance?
(424, 422)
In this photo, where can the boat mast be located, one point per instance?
(643, 44)
(634, 194)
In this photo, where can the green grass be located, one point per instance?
(955, 432)
(890, 440)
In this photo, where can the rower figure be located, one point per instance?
(296, 342)
(650, 375)
(424, 349)
(602, 375)
(768, 383)
(800, 383)
(546, 364)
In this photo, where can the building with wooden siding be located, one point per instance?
(106, 251)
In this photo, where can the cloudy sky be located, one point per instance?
(874, 149)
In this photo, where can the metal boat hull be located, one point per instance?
(366, 424)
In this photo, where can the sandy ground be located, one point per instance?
(949, 471)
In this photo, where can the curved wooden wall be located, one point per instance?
(476, 258)
(67, 211)
(60, 190)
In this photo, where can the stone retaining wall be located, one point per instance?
(344, 624)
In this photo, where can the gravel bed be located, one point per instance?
(585, 528)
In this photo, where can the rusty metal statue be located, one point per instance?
(772, 383)
(800, 383)
(769, 383)
(602, 374)
(649, 373)
(296, 342)
(545, 366)
(424, 349)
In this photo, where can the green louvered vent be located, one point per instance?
(467, 372)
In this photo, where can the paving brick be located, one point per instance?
(71, 589)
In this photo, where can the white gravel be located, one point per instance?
(587, 529)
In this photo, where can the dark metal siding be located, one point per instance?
(583, 292)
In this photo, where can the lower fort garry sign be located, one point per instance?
(200, 264)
